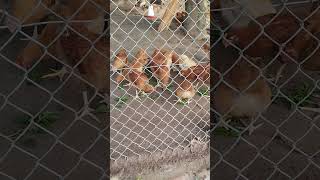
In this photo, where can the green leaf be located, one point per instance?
(203, 91)
(102, 108)
(221, 131)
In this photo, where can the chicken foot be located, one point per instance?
(179, 100)
(279, 73)
(251, 127)
(60, 73)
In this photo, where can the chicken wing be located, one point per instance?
(160, 65)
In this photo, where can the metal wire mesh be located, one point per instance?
(52, 128)
(285, 145)
(156, 122)
(54, 56)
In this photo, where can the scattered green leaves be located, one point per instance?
(45, 120)
(222, 131)
(120, 101)
(170, 88)
(300, 94)
(102, 108)
(203, 91)
(121, 86)
(34, 76)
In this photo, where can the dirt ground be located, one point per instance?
(263, 155)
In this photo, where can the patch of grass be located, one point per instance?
(45, 120)
(122, 100)
(102, 108)
(153, 81)
(35, 76)
(203, 91)
(121, 86)
(300, 94)
(170, 88)
(221, 131)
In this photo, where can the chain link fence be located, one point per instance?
(53, 82)
(266, 90)
(55, 76)
(159, 83)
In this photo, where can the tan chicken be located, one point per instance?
(193, 71)
(185, 91)
(254, 98)
(133, 73)
(120, 61)
(160, 66)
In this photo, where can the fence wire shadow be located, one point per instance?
(266, 90)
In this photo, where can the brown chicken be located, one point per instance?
(21, 10)
(160, 66)
(199, 73)
(133, 73)
(92, 66)
(120, 61)
(280, 30)
(141, 59)
(254, 98)
(185, 91)
(303, 48)
(180, 18)
(206, 48)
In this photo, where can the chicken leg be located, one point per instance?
(251, 127)
(59, 73)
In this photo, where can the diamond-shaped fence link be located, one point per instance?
(56, 80)
(265, 90)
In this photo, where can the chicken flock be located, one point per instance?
(70, 42)
(161, 65)
(244, 92)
